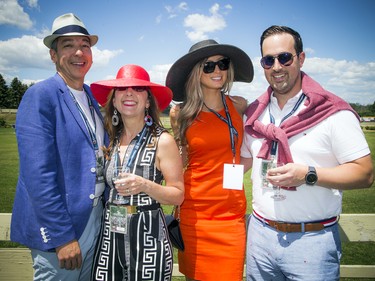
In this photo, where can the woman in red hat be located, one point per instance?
(134, 243)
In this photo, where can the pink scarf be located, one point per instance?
(319, 105)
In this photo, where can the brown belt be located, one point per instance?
(132, 209)
(297, 227)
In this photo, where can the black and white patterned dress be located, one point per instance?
(144, 252)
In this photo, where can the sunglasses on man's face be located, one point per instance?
(284, 59)
(209, 66)
(135, 88)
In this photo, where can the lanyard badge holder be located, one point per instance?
(233, 173)
(118, 211)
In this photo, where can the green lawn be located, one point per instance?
(355, 201)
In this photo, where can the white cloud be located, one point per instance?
(25, 52)
(32, 3)
(183, 6)
(158, 73)
(201, 24)
(173, 11)
(309, 51)
(102, 58)
(158, 19)
(12, 14)
(351, 80)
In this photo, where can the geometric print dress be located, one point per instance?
(144, 251)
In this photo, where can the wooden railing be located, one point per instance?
(16, 263)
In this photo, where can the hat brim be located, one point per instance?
(180, 70)
(48, 40)
(101, 90)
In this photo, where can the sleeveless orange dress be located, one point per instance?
(212, 218)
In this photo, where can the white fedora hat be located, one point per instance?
(68, 25)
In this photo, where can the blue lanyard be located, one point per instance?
(133, 153)
(92, 112)
(232, 130)
(272, 119)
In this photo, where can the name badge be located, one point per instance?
(118, 219)
(233, 176)
(99, 168)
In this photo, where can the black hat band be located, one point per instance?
(71, 28)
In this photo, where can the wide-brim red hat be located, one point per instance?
(131, 75)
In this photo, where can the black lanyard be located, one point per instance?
(272, 119)
(232, 130)
(92, 112)
(132, 155)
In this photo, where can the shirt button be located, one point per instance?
(93, 170)
(92, 196)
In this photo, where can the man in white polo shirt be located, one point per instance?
(305, 146)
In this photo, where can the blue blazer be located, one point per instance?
(57, 167)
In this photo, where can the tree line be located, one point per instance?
(10, 97)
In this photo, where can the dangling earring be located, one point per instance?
(148, 119)
(115, 119)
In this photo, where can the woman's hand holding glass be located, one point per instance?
(128, 184)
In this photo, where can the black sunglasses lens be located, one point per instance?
(135, 88)
(209, 66)
(139, 88)
(268, 61)
(284, 58)
(223, 64)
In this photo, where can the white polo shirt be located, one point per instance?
(336, 140)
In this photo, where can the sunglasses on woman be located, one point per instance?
(284, 59)
(135, 88)
(209, 66)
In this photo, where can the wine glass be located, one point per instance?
(266, 164)
(118, 173)
(277, 196)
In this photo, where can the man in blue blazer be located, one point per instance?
(60, 134)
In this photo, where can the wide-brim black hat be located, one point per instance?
(180, 70)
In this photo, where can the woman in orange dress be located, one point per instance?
(208, 125)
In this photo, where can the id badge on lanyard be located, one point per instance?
(233, 173)
(118, 218)
(233, 176)
(99, 167)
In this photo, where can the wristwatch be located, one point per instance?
(311, 177)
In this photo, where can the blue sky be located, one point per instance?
(338, 37)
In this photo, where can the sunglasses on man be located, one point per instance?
(209, 66)
(284, 59)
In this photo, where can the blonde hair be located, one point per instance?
(194, 97)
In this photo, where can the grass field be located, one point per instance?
(355, 201)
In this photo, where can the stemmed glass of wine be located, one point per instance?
(278, 196)
(118, 173)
